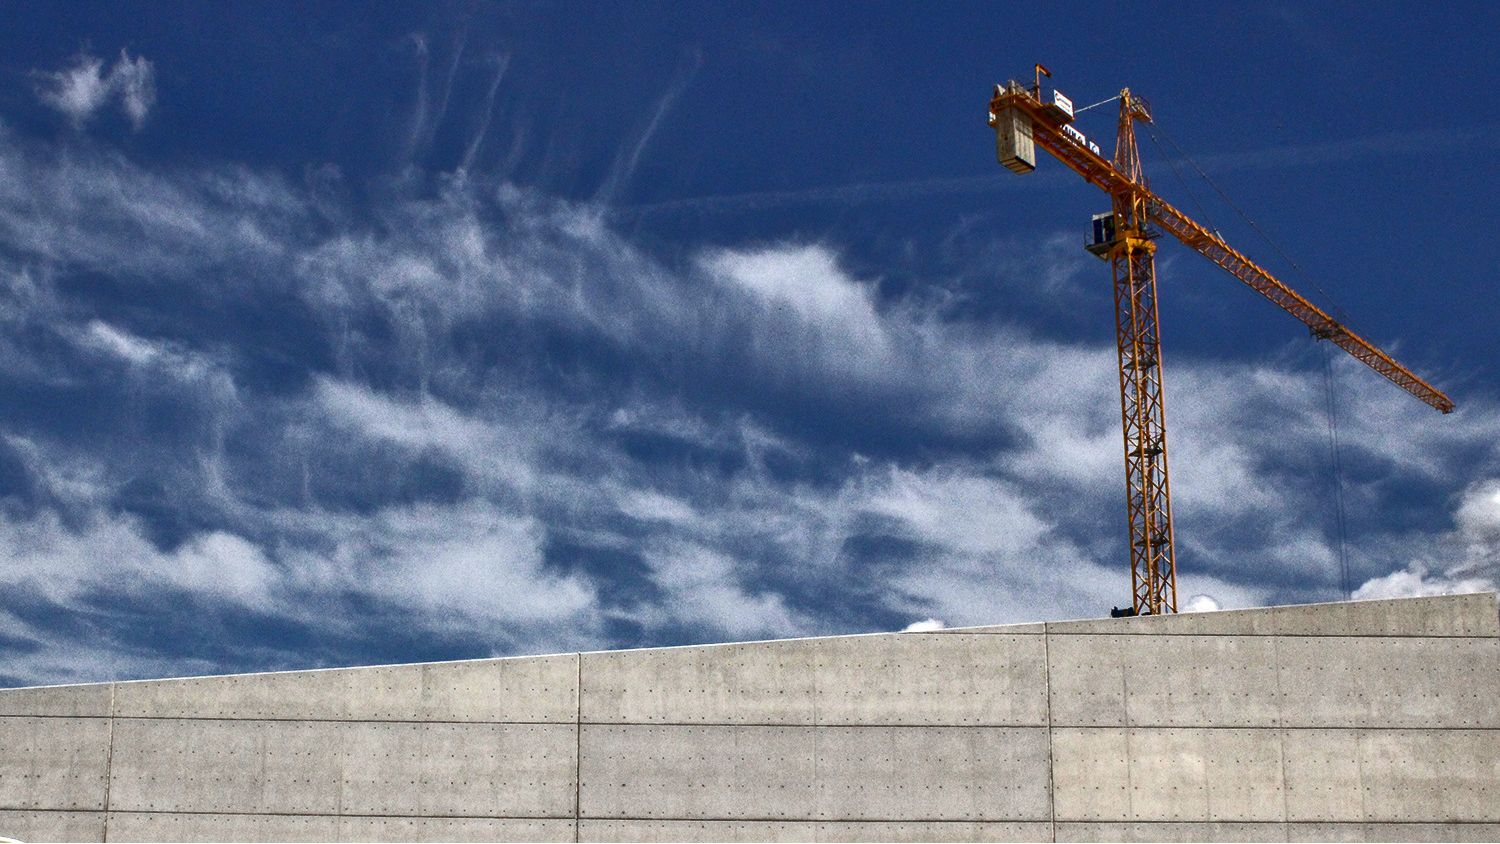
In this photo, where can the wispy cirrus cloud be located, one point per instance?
(86, 86)
(483, 420)
(628, 157)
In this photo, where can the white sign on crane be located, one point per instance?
(1062, 102)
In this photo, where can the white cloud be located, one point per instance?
(135, 81)
(121, 344)
(226, 565)
(466, 570)
(83, 88)
(926, 625)
(954, 509)
(471, 559)
(1201, 603)
(702, 588)
(153, 355)
(1473, 546)
(1227, 592)
(70, 482)
(652, 506)
(492, 452)
(1416, 581)
(1478, 523)
(111, 554)
(221, 229)
(808, 281)
(78, 91)
(802, 318)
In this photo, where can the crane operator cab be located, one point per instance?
(1102, 238)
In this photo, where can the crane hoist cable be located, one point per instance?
(1156, 130)
(1181, 180)
(1341, 519)
(1330, 392)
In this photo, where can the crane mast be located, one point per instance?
(1148, 486)
(1126, 238)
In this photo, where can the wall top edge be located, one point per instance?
(1464, 615)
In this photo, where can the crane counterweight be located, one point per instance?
(1014, 146)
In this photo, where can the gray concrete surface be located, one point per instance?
(1342, 722)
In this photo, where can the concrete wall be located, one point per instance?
(1366, 721)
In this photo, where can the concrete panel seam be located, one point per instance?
(578, 750)
(1359, 767)
(1051, 750)
(1199, 822)
(964, 631)
(791, 819)
(109, 761)
(462, 723)
(59, 717)
(1228, 727)
(622, 723)
(839, 724)
(285, 720)
(1444, 822)
(1286, 813)
(735, 819)
(55, 809)
(1129, 756)
(1245, 635)
(447, 817)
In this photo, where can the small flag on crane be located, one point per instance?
(1041, 71)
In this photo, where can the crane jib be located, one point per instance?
(1323, 326)
(1049, 130)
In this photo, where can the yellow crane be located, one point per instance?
(1126, 237)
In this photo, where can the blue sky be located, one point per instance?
(369, 333)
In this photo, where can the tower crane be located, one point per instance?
(1126, 238)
